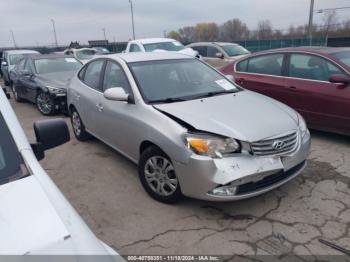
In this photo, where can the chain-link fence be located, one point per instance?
(260, 45)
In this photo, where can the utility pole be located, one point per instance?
(132, 19)
(13, 38)
(311, 16)
(54, 31)
(104, 33)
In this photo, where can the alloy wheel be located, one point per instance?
(44, 103)
(76, 123)
(160, 175)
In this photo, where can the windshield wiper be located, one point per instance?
(168, 100)
(209, 94)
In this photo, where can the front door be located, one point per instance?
(323, 104)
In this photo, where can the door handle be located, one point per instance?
(99, 107)
(77, 96)
(292, 88)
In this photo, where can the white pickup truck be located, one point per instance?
(159, 45)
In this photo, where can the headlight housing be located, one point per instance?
(56, 90)
(210, 145)
(302, 125)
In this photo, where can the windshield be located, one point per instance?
(178, 79)
(10, 159)
(168, 46)
(343, 57)
(85, 54)
(14, 59)
(51, 65)
(234, 50)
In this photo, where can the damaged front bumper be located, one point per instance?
(241, 176)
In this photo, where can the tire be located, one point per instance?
(45, 104)
(158, 177)
(15, 94)
(78, 126)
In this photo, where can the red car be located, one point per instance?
(313, 80)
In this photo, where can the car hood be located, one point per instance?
(58, 79)
(245, 115)
(28, 221)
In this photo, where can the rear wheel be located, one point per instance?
(45, 104)
(158, 177)
(78, 126)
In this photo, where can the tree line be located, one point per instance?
(236, 30)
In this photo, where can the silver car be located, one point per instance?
(190, 129)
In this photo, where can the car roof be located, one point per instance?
(310, 49)
(15, 52)
(48, 56)
(151, 56)
(152, 40)
(215, 43)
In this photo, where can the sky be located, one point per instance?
(83, 20)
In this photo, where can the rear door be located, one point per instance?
(264, 74)
(323, 104)
(88, 94)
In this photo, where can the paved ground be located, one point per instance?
(103, 186)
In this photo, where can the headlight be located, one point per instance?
(302, 125)
(213, 146)
(56, 90)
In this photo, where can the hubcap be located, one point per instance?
(76, 123)
(160, 175)
(44, 103)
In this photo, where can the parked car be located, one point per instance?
(190, 130)
(313, 81)
(9, 59)
(36, 218)
(43, 80)
(101, 50)
(158, 45)
(81, 54)
(219, 54)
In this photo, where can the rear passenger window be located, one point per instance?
(92, 74)
(312, 67)
(115, 77)
(267, 65)
(242, 66)
(202, 50)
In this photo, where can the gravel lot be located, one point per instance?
(104, 187)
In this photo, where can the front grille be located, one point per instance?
(267, 148)
(268, 181)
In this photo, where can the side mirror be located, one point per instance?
(117, 94)
(343, 80)
(231, 78)
(4, 63)
(220, 55)
(49, 134)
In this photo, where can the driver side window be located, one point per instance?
(115, 77)
(135, 48)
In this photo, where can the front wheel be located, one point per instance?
(158, 177)
(45, 104)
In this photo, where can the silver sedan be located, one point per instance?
(190, 129)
